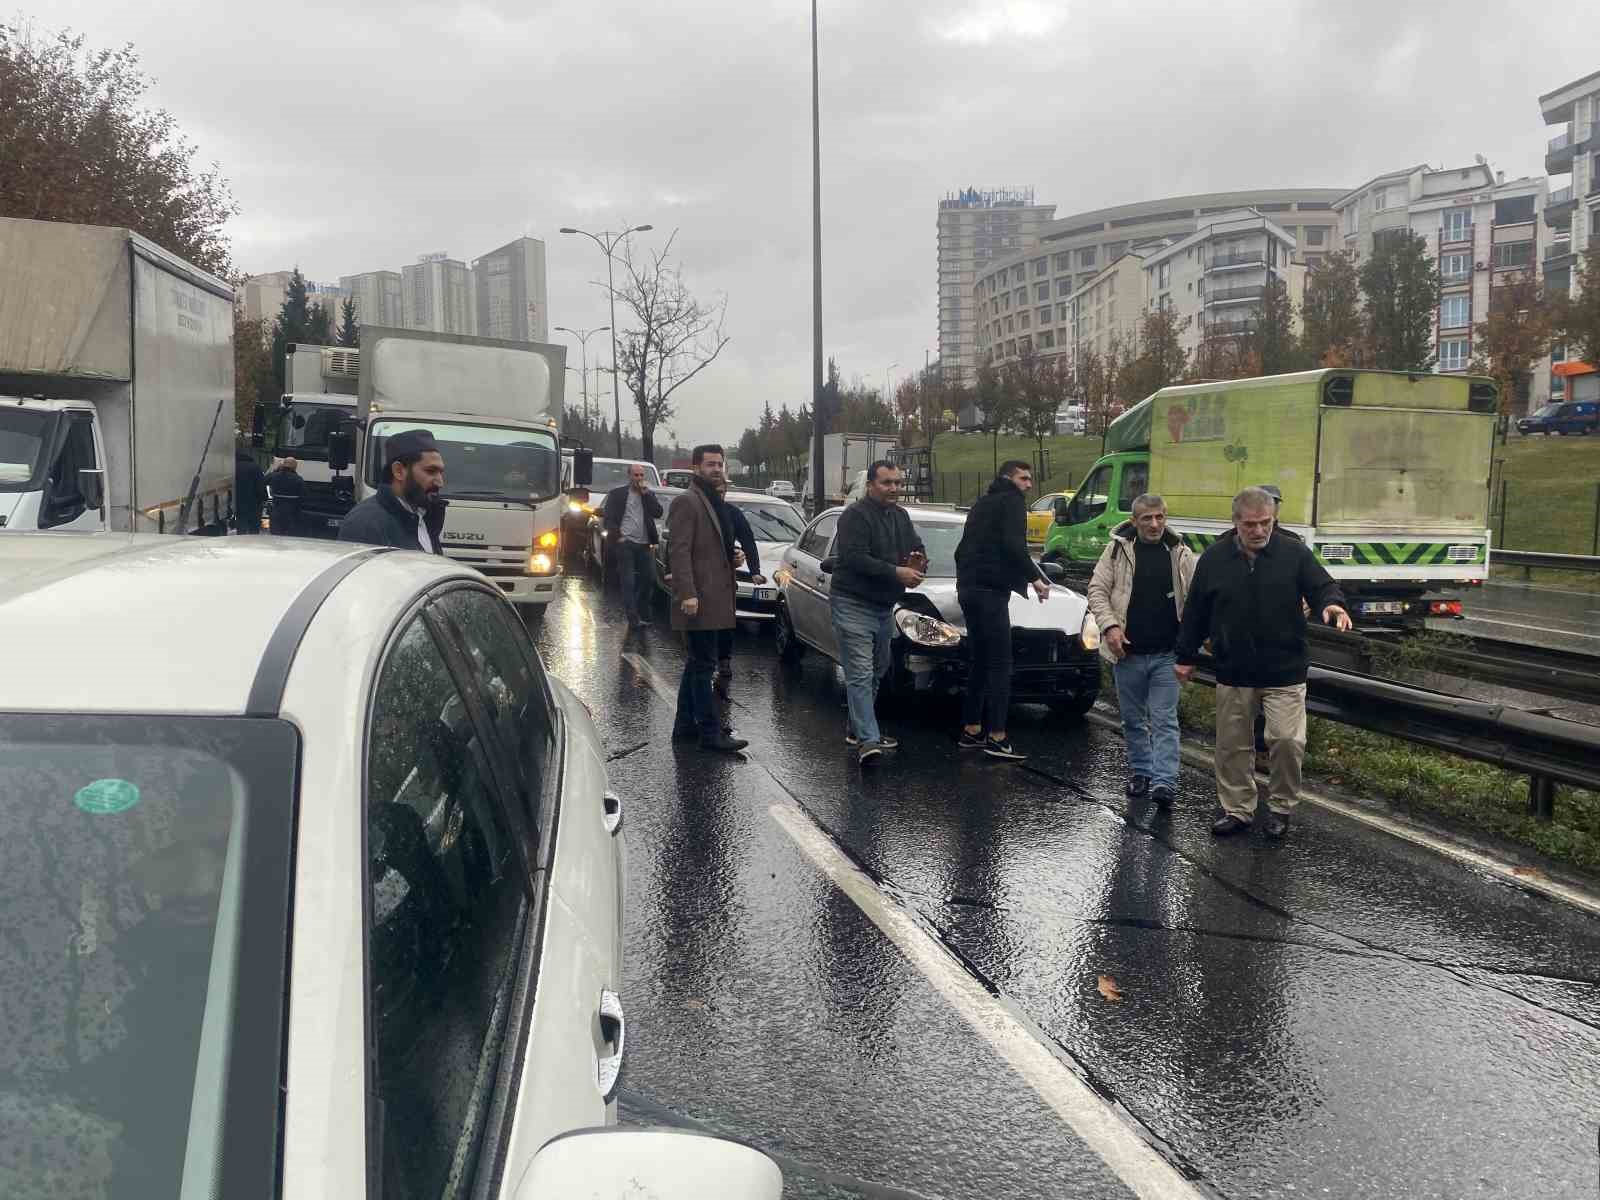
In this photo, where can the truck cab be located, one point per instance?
(1084, 524)
(52, 465)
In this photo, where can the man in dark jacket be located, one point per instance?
(249, 491)
(745, 537)
(405, 512)
(992, 562)
(286, 488)
(1247, 597)
(877, 556)
(629, 515)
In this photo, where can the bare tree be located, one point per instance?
(675, 336)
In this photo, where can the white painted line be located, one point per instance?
(1523, 624)
(1129, 1156)
(653, 678)
(1416, 835)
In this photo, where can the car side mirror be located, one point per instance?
(341, 448)
(1053, 571)
(1063, 508)
(826, 565)
(92, 487)
(618, 1163)
(582, 468)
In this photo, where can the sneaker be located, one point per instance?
(884, 740)
(723, 744)
(868, 752)
(1163, 796)
(970, 741)
(1003, 751)
(1138, 787)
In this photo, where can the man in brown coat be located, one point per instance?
(701, 553)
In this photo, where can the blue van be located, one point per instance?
(1581, 417)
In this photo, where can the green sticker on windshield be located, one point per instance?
(107, 796)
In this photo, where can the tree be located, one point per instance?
(1041, 385)
(1270, 345)
(77, 146)
(676, 336)
(297, 324)
(997, 398)
(1401, 285)
(1577, 321)
(252, 369)
(349, 332)
(1160, 359)
(1098, 376)
(1513, 336)
(1330, 313)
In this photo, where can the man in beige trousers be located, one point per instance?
(1246, 599)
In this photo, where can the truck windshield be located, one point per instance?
(131, 962)
(483, 461)
(303, 430)
(24, 440)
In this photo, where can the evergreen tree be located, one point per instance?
(1270, 345)
(1401, 285)
(349, 332)
(292, 328)
(1330, 315)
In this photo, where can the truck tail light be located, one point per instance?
(1444, 608)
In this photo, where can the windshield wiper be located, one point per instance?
(503, 497)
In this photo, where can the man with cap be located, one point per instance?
(406, 511)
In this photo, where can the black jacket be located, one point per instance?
(616, 507)
(249, 484)
(1251, 611)
(994, 546)
(746, 537)
(381, 520)
(285, 484)
(872, 540)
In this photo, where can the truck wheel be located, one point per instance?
(1073, 709)
(789, 647)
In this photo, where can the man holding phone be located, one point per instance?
(629, 515)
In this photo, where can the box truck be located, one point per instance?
(845, 457)
(116, 384)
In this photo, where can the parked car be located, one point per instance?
(1054, 644)
(776, 524)
(1581, 417)
(782, 489)
(314, 883)
(1041, 514)
(678, 477)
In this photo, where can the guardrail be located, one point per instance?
(1545, 560)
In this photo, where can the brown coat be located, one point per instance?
(698, 558)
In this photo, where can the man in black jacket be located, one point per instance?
(745, 537)
(406, 511)
(992, 562)
(629, 514)
(877, 556)
(286, 489)
(1247, 597)
(249, 491)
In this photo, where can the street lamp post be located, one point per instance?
(607, 241)
(888, 398)
(817, 414)
(583, 336)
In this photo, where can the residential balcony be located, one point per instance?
(1242, 258)
(1461, 236)
(1559, 208)
(1235, 295)
(1233, 328)
(1559, 153)
(1558, 255)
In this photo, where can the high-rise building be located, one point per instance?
(976, 227)
(436, 294)
(377, 297)
(262, 295)
(511, 298)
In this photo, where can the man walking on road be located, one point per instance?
(877, 556)
(992, 562)
(407, 513)
(701, 554)
(285, 488)
(1136, 597)
(629, 516)
(1246, 597)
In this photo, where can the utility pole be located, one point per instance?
(607, 241)
(816, 276)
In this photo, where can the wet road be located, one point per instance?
(1539, 616)
(1344, 1015)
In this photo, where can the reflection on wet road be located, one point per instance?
(1344, 1014)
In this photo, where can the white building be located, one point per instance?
(511, 297)
(377, 297)
(1572, 212)
(437, 294)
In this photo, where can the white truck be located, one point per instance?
(494, 407)
(116, 384)
(322, 382)
(844, 457)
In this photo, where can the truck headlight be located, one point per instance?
(925, 630)
(1090, 637)
(540, 564)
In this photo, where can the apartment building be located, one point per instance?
(1104, 312)
(377, 297)
(1479, 229)
(1572, 211)
(437, 294)
(511, 296)
(976, 227)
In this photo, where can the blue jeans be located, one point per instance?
(1147, 692)
(863, 632)
(638, 570)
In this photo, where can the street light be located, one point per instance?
(887, 398)
(607, 241)
(583, 336)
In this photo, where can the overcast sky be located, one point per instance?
(358, 135)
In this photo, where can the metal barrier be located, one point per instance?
(1544, 560)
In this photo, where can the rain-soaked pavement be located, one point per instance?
(1341, 1015)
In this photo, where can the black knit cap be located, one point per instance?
(404, 445)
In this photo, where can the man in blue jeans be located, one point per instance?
(877, 555)
(1137, 596)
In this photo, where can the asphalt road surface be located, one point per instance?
(945, 977)
(1540, 616)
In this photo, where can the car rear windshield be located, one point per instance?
(136, 852)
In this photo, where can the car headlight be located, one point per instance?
(1090, 637)
(781, 576)
(925, 630)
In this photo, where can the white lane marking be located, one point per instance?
(653, 678)
(1523, 624)
(1129, 1156)
(1414, 834)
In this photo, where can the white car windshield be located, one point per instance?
(771, 522)
(939, 539)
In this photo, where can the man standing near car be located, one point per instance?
(701, 554)
(1136, 597)
(407, 512)
(285, 489)
(877, 556)
(992, 562)
(745, 538)
(1246, 597)
(629, 517)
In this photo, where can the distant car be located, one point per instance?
(1580, 417)
(1054, 645)
(782, 489)
(677, 477)
(1040, 515)
(776, 524)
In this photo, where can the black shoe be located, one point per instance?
(970, 741)
(1163, 796)
(1003, 751)
(1138, 787)
(868, 752)
(1277, 824)
(684, 733)
(1227, 825)
(885, 742)
(723, 744)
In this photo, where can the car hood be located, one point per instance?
(1063, 610)
(770, 553)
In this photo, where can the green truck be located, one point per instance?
(1384, 474)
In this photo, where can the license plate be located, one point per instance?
(335, 522)
(763, 593)
(1390, 608)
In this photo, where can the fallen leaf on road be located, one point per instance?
(1108, 988)
(696, 1005)
(1529, 873)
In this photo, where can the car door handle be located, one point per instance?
(613, 812)
(613, 1028)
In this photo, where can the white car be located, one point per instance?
(314, 885)
(782, 489)
(775, 523)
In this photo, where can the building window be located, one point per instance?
(1041, 292)
(1516, 210)
(1005, 302)
(1458, 225)
(1111, 311)
(1064, 261)
(1115, 250)
(1011, 348)
(1025, 345)
(1453, 354)
(1019, 273)
(1164, 275)
(1020, 296)
(1455, 268)
(1011, 324)
(1026, 322)
(1111, 286)
(1380, 199)
(1063, 287)
(1061, 312)
(1513, 254)
(1041, 266)
(1454, 311)
(1086, 256)
(1044, 315)
(1047, 340)
(1594, 215)
(1316, 235)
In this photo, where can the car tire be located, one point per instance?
(787, 643)
(1073, 709)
